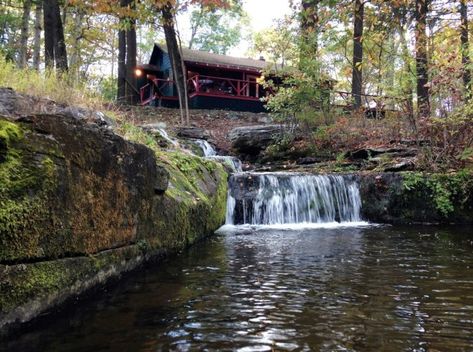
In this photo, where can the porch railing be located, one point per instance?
(224, 86)
(199, 84)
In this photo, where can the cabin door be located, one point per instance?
(253, 87)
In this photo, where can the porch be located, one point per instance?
(210, 91)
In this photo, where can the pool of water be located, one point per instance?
(256, 289)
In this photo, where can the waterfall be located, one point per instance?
(206, 147)
(232, 162)
(281, 198)
(165, 135)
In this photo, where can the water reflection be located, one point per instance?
(346, 289)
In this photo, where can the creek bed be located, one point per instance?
(368, 288)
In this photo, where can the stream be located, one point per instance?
(367, 288)
(295, 268)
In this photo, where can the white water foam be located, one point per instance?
(231, 161)
(303, 200)
(206, 147)
(292, 227)
(165, 135)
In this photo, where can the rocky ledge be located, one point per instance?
(413, 197)
(80, 204)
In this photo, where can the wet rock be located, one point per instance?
(310, 160)
(249, 141)
(368, 153)
(386, 199)
(89, 205)
(403, 165)
(192, 132)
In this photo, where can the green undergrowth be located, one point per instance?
(62, 88)
(447, 191)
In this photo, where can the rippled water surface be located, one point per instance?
(346, 289)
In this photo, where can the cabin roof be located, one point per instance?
(206, 58)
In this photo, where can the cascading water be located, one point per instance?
(165, 135)
(276, 199)
(207, 149)
(232, 162)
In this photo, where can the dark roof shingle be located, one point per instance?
(203, 57)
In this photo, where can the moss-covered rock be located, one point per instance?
(80, 204)
(411, 197)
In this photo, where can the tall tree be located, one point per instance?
(167, 12)
(121, 78)
(131, 90)
(465, 48)
(131, 49)
(127, 48)
(309, 19)
(37, 36)
(25, 25)
(217, 29)
(49, 32)
(54, 43)
(423, 104)
(357, 73)
(278, 44)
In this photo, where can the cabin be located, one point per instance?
(214, 81)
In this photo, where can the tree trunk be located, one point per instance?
(49, 33)
(357, 74)
(309, 28)
(408, 88)
(121, 79)
(37, 37)
(465, 49)
(60, 53)
(186, 93)
(423, 106)
(75, 52)
(174, 54)
(23, 50)
(54, 44)
(130, 90)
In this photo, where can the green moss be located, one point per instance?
(10, 132)
(24, 186)
(23, 283)
(449, 193)
(34, 280)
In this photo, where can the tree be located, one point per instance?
(177, 63)
(217, 29)
(54, 43)
(423, 104)
(37, 36)
(357, 73)
(465, 48)
(23, 50)
(131, 91)
(126, 83)
(277, 44)
(309, 22)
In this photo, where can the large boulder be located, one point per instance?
(79, 204)
(250, 141)
(410, 197)
(73, 187)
